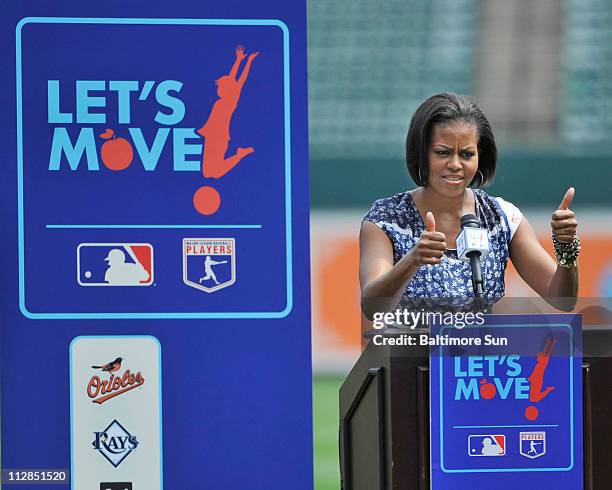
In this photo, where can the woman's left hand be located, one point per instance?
(563, 221)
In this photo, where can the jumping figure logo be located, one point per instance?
(216, 133)
(536, 380)
(73, 145)
(502, 376)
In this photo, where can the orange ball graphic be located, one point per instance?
(206, 200)
(531, 412)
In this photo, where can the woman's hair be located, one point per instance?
(448, 108)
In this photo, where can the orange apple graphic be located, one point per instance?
(487, 390)
(117, 153)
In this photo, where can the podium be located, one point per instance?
(385, 414)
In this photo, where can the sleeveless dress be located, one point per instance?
(448, 285)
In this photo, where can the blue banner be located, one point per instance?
(506, 404)
(126, 143)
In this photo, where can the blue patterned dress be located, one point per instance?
(448, 285)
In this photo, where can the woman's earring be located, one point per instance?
(421, 178)
(480, 179)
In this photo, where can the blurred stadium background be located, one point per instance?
(542, 71)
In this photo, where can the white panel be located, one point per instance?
(131, 449)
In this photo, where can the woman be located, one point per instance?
(407, 241)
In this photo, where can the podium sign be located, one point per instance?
(508, 412)
(154, 243)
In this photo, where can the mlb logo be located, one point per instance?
(487, 445)
(533, 444)
(115, 264)
(209, 264)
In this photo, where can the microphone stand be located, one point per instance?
(476, 281)
(477, 284)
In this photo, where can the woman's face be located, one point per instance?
(453, 157)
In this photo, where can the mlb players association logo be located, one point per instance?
(115, 264)
(533, 444)
(209, 264)
(487, 445)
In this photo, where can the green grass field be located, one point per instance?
(325, 409)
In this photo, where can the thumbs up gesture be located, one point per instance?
(431, 245)
(563, 221)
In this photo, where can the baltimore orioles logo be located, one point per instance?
(101, 390)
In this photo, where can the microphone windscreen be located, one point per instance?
(469, 221)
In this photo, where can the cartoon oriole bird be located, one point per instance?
(111, 367)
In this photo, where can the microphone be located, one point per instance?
(472, 242)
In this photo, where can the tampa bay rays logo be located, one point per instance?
(115, 443)
(209, 264)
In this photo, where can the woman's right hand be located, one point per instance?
(431, 245)
(382, 280)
